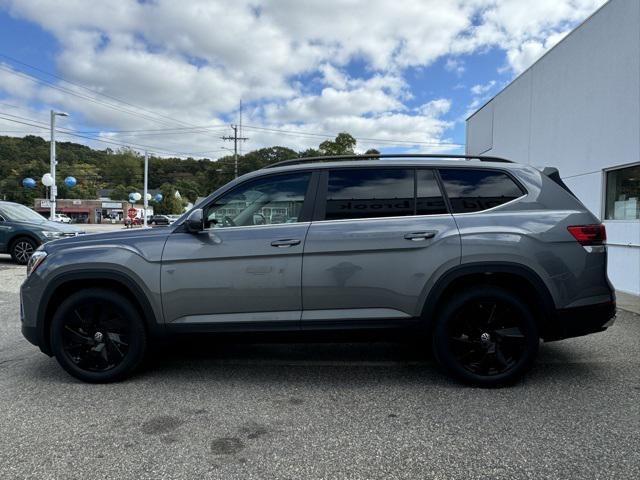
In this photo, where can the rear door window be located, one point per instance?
(370, 193)
(474, 190)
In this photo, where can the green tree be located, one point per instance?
(344, 144)
(170, 205)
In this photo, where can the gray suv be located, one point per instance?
(480, 256)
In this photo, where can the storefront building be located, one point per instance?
(578, 109)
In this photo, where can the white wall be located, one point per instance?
(578, 109)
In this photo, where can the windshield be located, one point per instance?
(19, 213)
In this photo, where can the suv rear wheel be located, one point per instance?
(98, 336)
(486, 336)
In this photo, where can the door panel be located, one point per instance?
(222, 273)
(375, 264)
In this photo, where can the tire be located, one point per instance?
(98, 336)
(22, 248)
(486, 336)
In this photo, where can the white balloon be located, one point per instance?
(148, 197)
(137, 196)
(47, 180)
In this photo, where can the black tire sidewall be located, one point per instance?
(137, 340)
(440, 337)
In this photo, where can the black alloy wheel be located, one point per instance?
(22, 249)
(486, 336)
(97, 336)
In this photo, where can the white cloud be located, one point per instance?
(193, 60)
(482, 89)
(455, 65)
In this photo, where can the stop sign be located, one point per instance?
(132, 212)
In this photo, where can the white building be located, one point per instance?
(578, 109)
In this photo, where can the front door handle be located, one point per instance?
(288, 242)
(419, 236)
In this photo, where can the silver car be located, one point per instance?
(479, 256)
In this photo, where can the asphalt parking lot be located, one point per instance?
(357, 410)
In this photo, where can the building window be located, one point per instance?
(623, 194)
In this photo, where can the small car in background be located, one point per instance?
(22, 231)
(159, 220)
(62, 218)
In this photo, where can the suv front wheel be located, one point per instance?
(21, 250)
(486, 336)
(97, 336)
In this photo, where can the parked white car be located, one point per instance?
(62, 218)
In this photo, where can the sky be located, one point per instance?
(168, 76)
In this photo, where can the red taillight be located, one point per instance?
(588, 234)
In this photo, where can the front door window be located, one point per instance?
(270, 200)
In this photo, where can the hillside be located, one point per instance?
(122, 170)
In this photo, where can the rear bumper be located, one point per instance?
(579, 321)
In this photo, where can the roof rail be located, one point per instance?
(376, 156)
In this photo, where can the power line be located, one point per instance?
(74, 134)
(117, 108)
(79, 85)
(323, 135)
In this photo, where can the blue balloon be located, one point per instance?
(70, 182)
(28, 182)
(158, 197)
(132, 198)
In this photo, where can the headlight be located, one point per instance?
(53, 235)
(36, 259)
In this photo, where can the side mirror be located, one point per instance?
(195, 222)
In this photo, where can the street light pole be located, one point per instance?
(146, 183)
(52, 161)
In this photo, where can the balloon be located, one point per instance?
(132, 197)
(47, 180)
(70, 182)
(137, 196)
(148, 197)
(28, 182)
(158, 197)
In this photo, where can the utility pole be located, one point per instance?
(235, 139)
(146, 184)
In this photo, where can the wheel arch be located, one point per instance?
(519, 279)
(61, 286)
(22, 234)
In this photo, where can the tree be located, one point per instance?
(344, 144)
(372, 151)
(169, 205)
(120, 192)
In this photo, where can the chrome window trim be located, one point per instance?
(271, 225)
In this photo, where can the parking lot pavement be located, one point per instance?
(367, 410)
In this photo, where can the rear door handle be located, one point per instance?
(288, 242)
(419, 236)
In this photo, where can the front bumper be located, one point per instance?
(579, 321)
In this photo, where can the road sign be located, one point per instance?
(132, 212)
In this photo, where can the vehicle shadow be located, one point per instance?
(5, 260)
(327, 364)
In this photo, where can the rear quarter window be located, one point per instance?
(472, 190)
